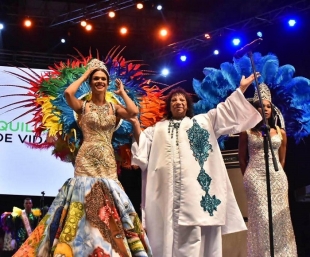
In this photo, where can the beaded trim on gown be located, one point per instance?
(91, 215)
(256, 191)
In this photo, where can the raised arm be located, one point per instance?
(282, 149)
(246, 82)
(131, 110)
(235, 114)
(136, 128)
(141, 147)
(73, 102)
(243, 151)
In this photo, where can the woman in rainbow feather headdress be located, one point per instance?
(91, 215)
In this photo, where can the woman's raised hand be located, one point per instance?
(88, 71)
(245, 82)
(120, 87)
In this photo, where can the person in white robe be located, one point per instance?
(187, 198)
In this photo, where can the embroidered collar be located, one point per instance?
(174, 125)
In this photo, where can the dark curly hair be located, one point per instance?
(189, 101)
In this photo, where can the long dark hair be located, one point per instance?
(189, 101)
(94, 71)
(271, 119)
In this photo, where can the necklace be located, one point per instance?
(104, 108)
(174, 125)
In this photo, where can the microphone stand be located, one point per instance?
(42, 204)
(267, 144)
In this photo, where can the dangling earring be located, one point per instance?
(276, 120)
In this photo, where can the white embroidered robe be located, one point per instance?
(154, 155)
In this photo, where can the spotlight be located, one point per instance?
(183, 58)
(159, 7)
(83, 23)
(236, 41)
(63, 40)
(1, 26)
(207, 36)
(163, 32)
(259, 34)
(88, 27)
(292, 22)
(216, 52)
(165, 72)
(139, 6)
(111, 14)
(27, 23)
(123, 30)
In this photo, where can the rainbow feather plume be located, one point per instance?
(52, 116)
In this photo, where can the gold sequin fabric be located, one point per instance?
(256, 190)
(96, 155)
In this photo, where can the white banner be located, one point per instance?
(25, 171)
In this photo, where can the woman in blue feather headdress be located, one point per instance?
(290, 103)
(251, 158)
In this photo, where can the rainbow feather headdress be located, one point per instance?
(291, 95)
(52, 115)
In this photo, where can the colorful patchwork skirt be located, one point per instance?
(89, 217)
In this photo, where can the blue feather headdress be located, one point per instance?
(291, 95)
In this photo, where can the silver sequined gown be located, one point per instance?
(255, 186)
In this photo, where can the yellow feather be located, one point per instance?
(16, 212)
(36, 212)
(49, 120)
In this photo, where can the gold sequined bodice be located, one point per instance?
(96, 155)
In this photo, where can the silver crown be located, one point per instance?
(97, 64)
(264, 92)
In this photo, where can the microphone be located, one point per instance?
(247, 48)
